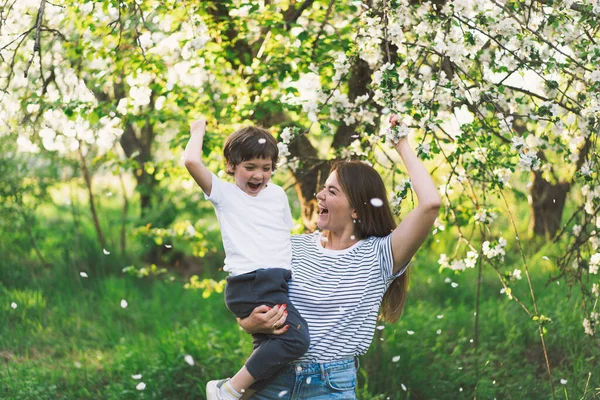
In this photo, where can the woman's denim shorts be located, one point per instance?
(333, 380)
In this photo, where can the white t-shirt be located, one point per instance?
(255, 230)
(338, 292)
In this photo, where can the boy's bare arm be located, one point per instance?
(193, 156)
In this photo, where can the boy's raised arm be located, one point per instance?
(193, 156)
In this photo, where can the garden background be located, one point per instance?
(111, 272)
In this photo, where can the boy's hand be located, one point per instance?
(198, 127)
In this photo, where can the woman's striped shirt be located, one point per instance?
(338, 292)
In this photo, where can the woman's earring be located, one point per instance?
(353, 220)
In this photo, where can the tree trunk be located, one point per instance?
(547, 204)
(88, 182)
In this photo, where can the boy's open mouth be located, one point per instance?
(254, 186)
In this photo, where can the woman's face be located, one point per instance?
(335, 213)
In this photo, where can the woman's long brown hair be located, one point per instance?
(361, 183)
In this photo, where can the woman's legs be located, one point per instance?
(334, 380)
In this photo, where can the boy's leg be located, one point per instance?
(240, 300)
(271, 352)
(275, 351)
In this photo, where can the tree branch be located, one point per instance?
(38, 28)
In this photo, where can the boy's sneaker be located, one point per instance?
(213, 389)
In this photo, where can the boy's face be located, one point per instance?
(252, 175)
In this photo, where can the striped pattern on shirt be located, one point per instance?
(338, 292)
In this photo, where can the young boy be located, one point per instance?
(255, 220)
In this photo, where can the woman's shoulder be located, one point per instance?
(304, 237)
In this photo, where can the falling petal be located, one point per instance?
(308, 380)
(13, 305)
(189, 359)
(440, 316)
(546, 258)
(352, 237)
(447, 280)
(380, 327)
(460, 389)
(376, 202)
(563, 381)
(123, 303)
(137, 376)
(105, 251)
(109, 194)
(77, 364)
(403, 387)
(395, 358)
(454, 284)
(439, 331)
(262, 140)
(168, 246)
(83, 274)
(410, 332)
(141, 386)
(283, 393)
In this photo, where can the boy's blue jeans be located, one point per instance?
(333, 380)
(271, 352)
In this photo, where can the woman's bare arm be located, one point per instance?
(410, 234)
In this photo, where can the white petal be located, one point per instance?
(410, 332)
(563, 381)
(403, 387)
(123, 303)
(83, 274)
(138, 376)
(395, 358)
(13, 305)
(141, 386)
(376, 202)
(380, 327)
(283, 393)
(105, 251)
(189, 359)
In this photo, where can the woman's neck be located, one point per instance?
(339, 241)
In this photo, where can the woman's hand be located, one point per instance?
(265, 319)
(397, 131)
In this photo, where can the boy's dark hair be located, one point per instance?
(248, 143)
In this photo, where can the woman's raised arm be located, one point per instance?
(414, 228)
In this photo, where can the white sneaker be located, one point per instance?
(213, 389)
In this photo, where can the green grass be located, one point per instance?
(69, 337)
(72, 339)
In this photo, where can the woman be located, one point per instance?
(343, 276)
